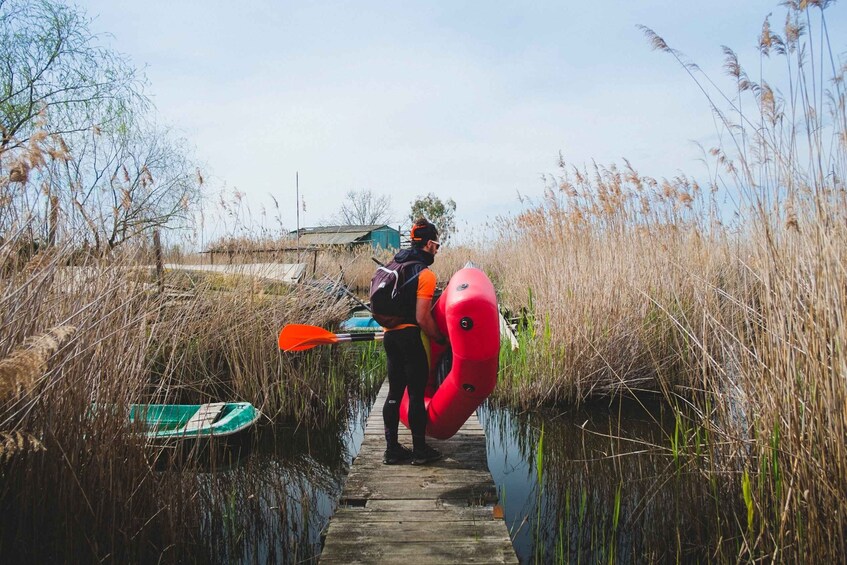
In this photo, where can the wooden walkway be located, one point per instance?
(437, 513)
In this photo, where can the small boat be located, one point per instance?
(361, 321)
(191, 421)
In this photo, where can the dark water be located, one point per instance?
(271, 504)
(609, 487)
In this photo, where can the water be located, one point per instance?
(272, 503)
(609, 487)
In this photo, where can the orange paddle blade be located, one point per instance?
(300, 337)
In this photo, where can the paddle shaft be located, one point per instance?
(364, 336)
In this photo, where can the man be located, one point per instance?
(407, 348)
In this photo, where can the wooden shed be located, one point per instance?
(377, 236)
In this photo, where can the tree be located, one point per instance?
(441, 213)
(128, 179)
(76, 144)
(364, 208)
(52, 70)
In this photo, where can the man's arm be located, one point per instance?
(423, 314)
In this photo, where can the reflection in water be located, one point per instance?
(271, 505)
(610, 487)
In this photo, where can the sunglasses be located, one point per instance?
(437, 245)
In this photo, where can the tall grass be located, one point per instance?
(605, 267)
(222, 343)
(78, 484)
(633, 283)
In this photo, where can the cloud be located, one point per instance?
(468, 101)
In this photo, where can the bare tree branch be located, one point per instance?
(364, 208)
(51, 60)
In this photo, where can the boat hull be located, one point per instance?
(361, 324)
(174, 421)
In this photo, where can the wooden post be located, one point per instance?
(54, 220)
(160, 268)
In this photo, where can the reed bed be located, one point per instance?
(79, 342)
(222, 343)
(736, 314)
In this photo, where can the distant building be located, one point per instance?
(377, 236)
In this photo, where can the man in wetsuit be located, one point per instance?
(407, 348)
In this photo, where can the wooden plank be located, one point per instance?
(450, 468)
(407, 531)
(452, 461)
(205, 416)
(396, 491)
(468, 551)
(471, 427)
(460, 513)
(437, 513)
(415, 505)
(507, 333)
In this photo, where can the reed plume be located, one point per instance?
(22, 368)
(17, 442)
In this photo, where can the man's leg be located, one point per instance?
(417, 373)
(397, 380)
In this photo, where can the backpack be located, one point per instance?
(392, 297)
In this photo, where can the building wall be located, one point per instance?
(385, 238)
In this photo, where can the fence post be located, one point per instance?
(160, 268)
(54, 220)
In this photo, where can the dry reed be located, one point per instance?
(17, 442)
(21, 369)
(631, 283)
(80, 481)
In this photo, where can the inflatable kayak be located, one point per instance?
(466, 312)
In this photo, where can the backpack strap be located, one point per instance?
(396, 274)
(403, 267)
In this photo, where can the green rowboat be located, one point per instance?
(191, 421)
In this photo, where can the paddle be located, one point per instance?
(300, 337)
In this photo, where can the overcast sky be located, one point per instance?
(468, 100)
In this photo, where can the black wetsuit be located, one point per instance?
(408, 368)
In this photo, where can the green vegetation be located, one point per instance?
(442, 213)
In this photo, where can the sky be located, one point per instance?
(472, 101)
